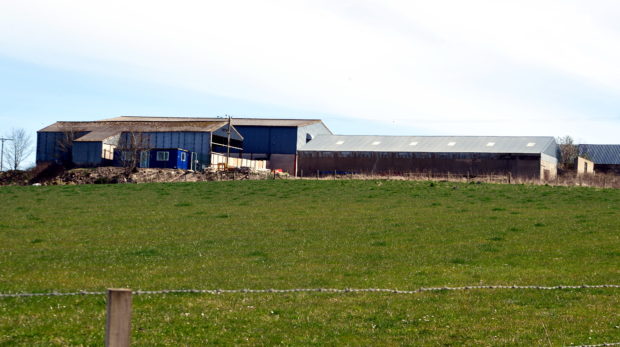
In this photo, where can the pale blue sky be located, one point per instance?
(481, 67)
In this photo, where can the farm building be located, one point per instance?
(95, 143)
(523, 157)
(99, 143)
(273, 140)
(606, 158)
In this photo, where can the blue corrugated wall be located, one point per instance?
(48, 146)
(198, 142)
(87, 153)
(280, 140)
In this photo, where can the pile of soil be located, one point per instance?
(53, 174)
(111, 175)
(15, 178)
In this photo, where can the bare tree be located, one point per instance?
(131, 146)
(65, 145)
(17, 150)
(569, 151)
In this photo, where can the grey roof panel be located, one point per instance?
(99, 135)
(275, 122)
(430, 144)
(601, 154)
(140, 126)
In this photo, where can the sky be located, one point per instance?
(388, 67)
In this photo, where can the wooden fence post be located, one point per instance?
(118, 320)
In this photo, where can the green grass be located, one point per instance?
(308, 234)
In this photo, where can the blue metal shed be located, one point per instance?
(169, 158)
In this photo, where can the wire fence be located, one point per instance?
(317, 290)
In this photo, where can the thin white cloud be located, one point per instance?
(425, 64)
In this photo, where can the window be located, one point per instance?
(531, 144)
(451, 144)
(339, 142)
(374, 143)
(163, 156)
(126, 155)
(490, 144)
(413, 143)
(183, 156)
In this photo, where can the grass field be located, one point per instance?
(309, 234)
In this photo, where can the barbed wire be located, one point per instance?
(320, 290)
(331, 290)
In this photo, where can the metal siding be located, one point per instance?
(198, 142)
(314, 130)
(283, 140)
(48, 148)
(278, 140)
(466, 164)
(87, 153)
(256, 139)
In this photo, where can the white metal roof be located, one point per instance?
(432, 144)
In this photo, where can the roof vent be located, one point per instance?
(339, 142)
(413, 144)
(451, 144)
(309, 137)
(531, 144)
(374, 143)
(490, 144)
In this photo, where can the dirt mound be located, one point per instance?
(15, 178)
(111, 175)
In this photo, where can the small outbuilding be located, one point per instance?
(167, 158)
(585, 166)
(606, 158)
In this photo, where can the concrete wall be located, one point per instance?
(472, 164)
(548, 167)
(585, 166)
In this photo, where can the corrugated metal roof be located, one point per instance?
(430, 144)
(274, 122)
(138, 126)
(601, 154)
(99, 135)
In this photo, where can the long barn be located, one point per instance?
(519, 156)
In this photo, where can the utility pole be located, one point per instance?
(228, 146)
(2, 139)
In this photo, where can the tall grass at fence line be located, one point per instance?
(600, 180)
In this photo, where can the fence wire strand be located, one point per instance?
(320, 290)
(330, 290)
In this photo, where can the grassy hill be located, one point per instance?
(311, 234)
